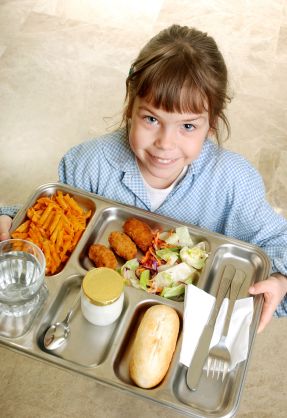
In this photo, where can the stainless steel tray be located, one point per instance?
(103, 353)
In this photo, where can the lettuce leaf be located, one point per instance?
(194, 256)
(144, 278)
(171, 292)
(180, 237)
(170, 255)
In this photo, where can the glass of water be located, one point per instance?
(22, 274)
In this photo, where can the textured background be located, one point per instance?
(62, 69)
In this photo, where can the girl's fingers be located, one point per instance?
(260, 287)
(4, 235)
(268, 309)
(5, 225)
(273, 290)
(269, 304)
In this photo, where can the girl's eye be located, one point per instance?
(151, 119)
(188, 127)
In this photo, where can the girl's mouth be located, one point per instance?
(163, 161)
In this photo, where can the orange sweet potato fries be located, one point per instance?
(55, 224)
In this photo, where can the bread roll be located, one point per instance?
(153, 346)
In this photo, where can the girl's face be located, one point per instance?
(165, 142)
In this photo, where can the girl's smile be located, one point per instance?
(160, 161)
(164, 142)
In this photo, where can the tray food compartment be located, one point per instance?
(108, 220)
(85, 202)
(212, 394)
(88, 344)
(243, 258)
(212, 397)
(112, 219)
(121, 364)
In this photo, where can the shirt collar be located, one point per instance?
(121, 157)
(119, 154)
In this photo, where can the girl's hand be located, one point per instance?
(5, 225)
(274, 290)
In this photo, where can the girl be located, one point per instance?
(163, 161)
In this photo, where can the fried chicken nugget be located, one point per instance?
(122, 245)
(102, 256)
(139, 232)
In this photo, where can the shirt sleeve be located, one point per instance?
(79, 167)
(255, 221)
(10, 210)
(66, 168)
(72, 169)
(281, 308)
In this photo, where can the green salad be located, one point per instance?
(172, 262)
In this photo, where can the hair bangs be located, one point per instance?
(171, 88)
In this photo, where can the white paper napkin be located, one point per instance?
(197, 308)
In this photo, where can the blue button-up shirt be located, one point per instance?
(220, 191)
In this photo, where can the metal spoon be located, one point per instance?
(59, 332)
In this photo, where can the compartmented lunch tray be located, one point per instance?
(103, 353)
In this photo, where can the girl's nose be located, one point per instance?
(165, 139)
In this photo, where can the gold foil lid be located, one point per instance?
(102, 286)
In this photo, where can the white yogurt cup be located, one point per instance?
(102, 296)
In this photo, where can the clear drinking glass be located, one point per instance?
(22, 274)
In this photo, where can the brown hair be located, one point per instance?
(180, 70)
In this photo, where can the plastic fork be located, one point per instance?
(219, 356)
